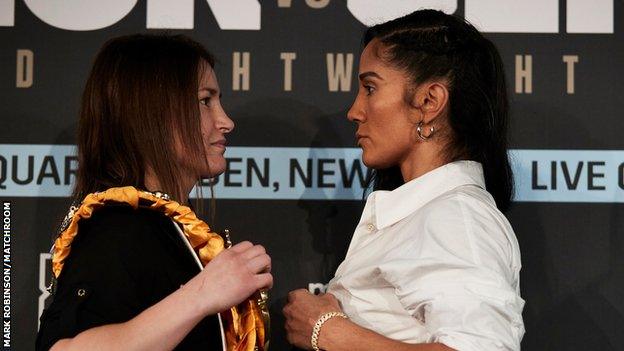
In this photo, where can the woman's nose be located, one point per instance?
(224, 123)
(355, 113)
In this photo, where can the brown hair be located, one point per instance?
(140, 97)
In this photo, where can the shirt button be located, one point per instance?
(370, 227)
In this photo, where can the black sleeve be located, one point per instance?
(121, 262)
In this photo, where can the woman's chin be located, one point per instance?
(212, 173)
(370, 160)
(216, 167)
(376, 162)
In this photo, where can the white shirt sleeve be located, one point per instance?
(456, 276)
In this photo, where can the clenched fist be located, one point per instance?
(302, 312)
(231, 277)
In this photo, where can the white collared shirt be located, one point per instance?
(435, 261)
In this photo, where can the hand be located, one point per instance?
(302, 312)
(231, 277)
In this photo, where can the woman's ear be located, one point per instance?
(431, 99)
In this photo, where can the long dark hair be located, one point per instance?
(140, 97)
(429, 44)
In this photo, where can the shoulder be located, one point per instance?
(465, 223)
(118, 221)
(464, 206)
(115, 215)
(121, 230)
(119, 239)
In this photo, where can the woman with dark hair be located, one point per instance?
(433, 263)
(133, 267)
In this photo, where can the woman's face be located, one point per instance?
(386, 123)
(215, 123)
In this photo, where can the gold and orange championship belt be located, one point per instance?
(246, 325)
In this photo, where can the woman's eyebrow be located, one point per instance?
(212, 91)
(369, 74)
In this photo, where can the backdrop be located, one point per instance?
(294, 180)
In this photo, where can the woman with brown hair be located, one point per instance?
(128, 261)
(433, 264)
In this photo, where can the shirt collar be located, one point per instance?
(389, 207)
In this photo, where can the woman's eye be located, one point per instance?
(369, 89)
(205, 101)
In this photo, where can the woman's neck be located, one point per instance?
(424, 158)
(153, 184)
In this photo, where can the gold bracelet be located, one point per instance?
(319, 323)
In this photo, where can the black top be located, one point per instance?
(121, 262)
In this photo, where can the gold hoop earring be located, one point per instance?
(420, 134)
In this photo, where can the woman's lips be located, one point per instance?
(360, 138)
(220, 143)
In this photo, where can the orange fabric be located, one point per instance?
(244, 325)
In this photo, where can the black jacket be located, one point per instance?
(121, 262)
